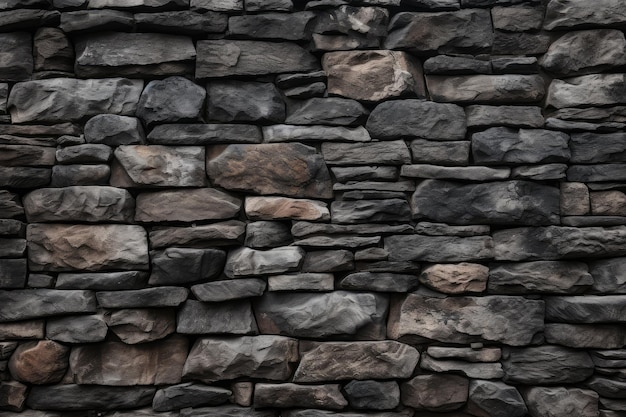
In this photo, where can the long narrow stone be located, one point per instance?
(28, 304)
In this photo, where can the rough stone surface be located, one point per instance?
(373, 395)
(188, 395)
(41, 362)
(439, 248)
(175, 266)
(81, 397)
(455, 278)
(127, 280)
(245, 262)
(492, 89)
(561, 401)
(141, 325)
(196, 317)
(292, 395)
(219, 291)
(267, 234)
(435, 392)
(545, 365)
(379, 281)
(16, 62)
(494, 398)
(513, 116)
(564, 14)
(332, 111)
(587, 90)
(29, 304)
(239, 101)
(214, 234)
(149, 297)
(540, 277)
(174, 99)
(283, 208)
(388, 153)
(114, 130)
(77, 329)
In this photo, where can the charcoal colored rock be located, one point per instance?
(77, 329)
(29, 304)
(26, 19)
(16, 62)
(292, 395)
(291, 27)
(370, 211)
(244, 101)
(84, 154)
(471, 370)
(114, 130)
(141, 325)
(385, 153)
(439, 248)
(489, 89)
(545, 365)
(585, 336)
(13, 273)
(10, 205)
(88, 397)
(328, 261)
(229, 6)
(204, 134)
(196, 24)
(317, 133)
(380, 282)
(188, 394)
(24, 177)
(283, 208)
(511, 116)
(143, 298)
(585, 309)
(175, 266)
(470, 173)
(455, 278)
(608, 276)
(494, 399)
(521, 43)
(226, 411)
(234, 317)
(267, 234)
(566, 14)
(596, 173)
(586, 90)
(373, 395)
(499, 145)
(202, 236)
(520, 18)
(454, 65)
(331, 111)
(362, 22)
(560, 401)
(12, 396)
(539, 277)
(607, 387)
(82, 21)
(590, 147)
(363, 173)
(104, 281)
(39, 362)
(79, 174)
(226, 290)
(435, 392)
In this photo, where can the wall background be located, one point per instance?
(312, 208)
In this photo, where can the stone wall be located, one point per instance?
(385, 208)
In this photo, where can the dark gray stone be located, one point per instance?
(307, 281)
(494, 399)
(585, 336)
(513, 116)
(27, 19)
(587, 90)
(77, 329)
(25, 155)
(523, 43)
(244, 101)
(341, 242)
(144, 298)
(13, 273)
(441, 153)
(454, 65)
(373, 395)
(590, 147)
(379, 282)
(171, 100)
(243, 262)
(22, 177)
(52, 50)
(10, 205)
(438, 392)
(215, 234)
(597, 173)
(84, 154)
(471, 173)
(539, 277)
(289, 395)
(103, 281)
(204, 134)
(332, 111)
(79, 175)
(439, 248)
(141, 325)
(545, 365)
(12, 247)
(609, 276)
(560, 401)
(188, 395)
(286, 81)
(328, 261)
(196, 24)
(281, 26)
(540, 172)
(229, 289)
(29, 304)
(96, 20)
(267, 234)
(383, 153)
(520, 18)
(567, 14)
(88, 397)
(175, 266)
(363, 173)
(491, 89)
(114, 130)
(229, 6)
(226, 411)
(10, 227)
(16, 56)
(364, 211)
(471, 370)
(608, 387)
(306, 91)
(586, 309)
(234, 317)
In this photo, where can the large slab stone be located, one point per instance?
(335, 361)
(370, 211)
(105, 281)
(88, 397)
(439, 248)
(281, 26)
(233, 317)
(175, 266)
(540, 276)
(455, 278)
(40, 362)
(222, 58)
(587, 90)
(174, 99)
(114, 130)
(492, 89)
(560, 401)
(115, 363)
(326, 397)
(375, 153)
(77, 329)
(512, 116)
(506, 202)
(566, 14)
(332, 111)
(585, 336)
(52, 247)
(222, 358)
(321, 315)
(546, 365)
(63, 99)
(204, 134)
(81, 204)
(16, 56)
(290, 169)
(283, 208)
(373, 75)
(511, 320)
(33, 303)
(133, 54)
(495, 399)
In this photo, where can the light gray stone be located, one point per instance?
(545, 365)
(233, 317)
(586, 309)
(587, 90)
(307, 281)
(442, 229)
(230, 6)
(540, 172)
(517, 18)
(492, 89)
(104, 281)
(328, 261)
(35, 303)
(539, 277)
(244, 261)
(440, 153)
(318, 133)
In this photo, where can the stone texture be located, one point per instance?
(373, 75)
(307, 281)
(455, 278)
(292, 26)
(492, 89)
(144, 298)
(294, 170)
(20, 177)
(33, 329)
(82, 21)
(328, 261)
(466, 319)
(439, 248)
(77, 329)
(517, 18)
(441, 153)
(188, 395)
(598, 336)
(539, 277)
(175, 266)
(224, 358)
(141, 54)
(10, 205)
(333, 361)
(79, 174)
(317, 133)
(141, 325)
(587, 90)
(28, 304)
(85, 397)
(523, 43)
(226, 290)
(52, 50)
(332, 111)
(16, 62)
(127, 280)
(560, 401)
(608, 276)
(292, 395)
(499, 145)
(267, 234)
(472, 173)
(373, 395)
(234, 317)
(73, 99)
(283, 208)
(204, 134)
(243, 101)
(214, 234)
(13, 273)
(471, 370)
(246, 262)
(545, 365)
(114, 130)
(512, 116)
(52, 247)
(84, 154)
(435, 392)
(385, 153)
(366, 211)
(40, 362)
(585, 309)
(590, 147)
(452, 65)
(494, 399)
(596, 173)
(380, 282)
(565, 14)
(12, 395)
(608, 203)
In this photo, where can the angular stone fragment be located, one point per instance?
(221, 58)
(84, 154)
(41, 362)
(383, 153)
(328, 261)
(290, 169)
(158, 166)
(512, 116)
(175, 266)
(77, 329)
(373, 395)
(209, 235)
(72, 99)
(373, 75)
(494, 89)
(539, 277)
(471, 370)
(127, 280)
(89, 397)
(435, 392)
(12, 396)
(609, 276)
(464, 31)
(246, 262)
(417, 118)
(467, 319)
(78, 174)
(233, 317)
(439, 248)
(292, 395)
(141, 325)
(52, 50)
(471, 173)
(519, 44)
(333, 361)
(244, 101)
(196, 24)
(364, 211)
(27, 304)
(321, 315)
(455, 278)
(267, 234)
(333, 111)
(283, 26)
(219, 291)
(283, 208)
(96, 21)
(149, 297)
(495, 399)
(453, 65)
(560, 401)
(114, 130)
(133, 54)
(565, 14)
(16, 56)
(499, 145)
(204, 134)
(587, 90)
(545, 365)
(554, 242)
(186, 206)
(223, 358)
(188, 395)
(594, 336)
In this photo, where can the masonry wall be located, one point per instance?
(384, 208)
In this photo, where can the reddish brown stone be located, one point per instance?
(41, 362)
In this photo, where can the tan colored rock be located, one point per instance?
(435, 392)
(242, 393)
(283, 208)
(325, 397)
(574, 199)
(186, 205)
(34, 329)
(41, 362)
(608, 203)
(373, 75)
(455, 278)
(53, 247)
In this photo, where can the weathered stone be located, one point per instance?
(467, 319)
(230, 6)
(332, 111)
(196, 24)
(244, 101)
(28, 304)
(565, 14)
(84, 154)
(85, 204)
(560, 401)
(11, 227)
(417, 118)
(175, 266)
(454, 65)
(455, 278)
(229, 290)
(282, 208)
(26, 19)
(73, 99)
(383, 153)
(609, 276)
(442, 229)
(317, 133)
(380, 282)
(293, 395)
(608, 387)
(440, 153)
(587, 90)
(246, 262)
(158, 166)
(608, 203)
(592, 147)
(114, 130)
(553, 242)
(499, 145)
(373, 395)
(373, 75)
(496, 89)
(464, 31)
(307, 281)
(267, 234)
(78, 174)
(328, 261)
(596, 173)
(344, 242)
(133, 54)
(215, 234)
(540, 172)
(517, 18)
(226, 411)
(595, 336)
(494, 399)
(302, 229)
(269, 5)
(13, 273)
(465, 354)
(574, 199)
(545, 365)
(220, 358)
(12, 248)
(16, 62)
(77, 329)
(471, 370)
(21, 177)
(10, 205)
(221, 58)
(40, 281)
(366, 22)
(472, 173)
(186, 206)
(104, 281)
(520, 43)
(439, 248)
(114, 363)
(324, 413)
(188, 395)
(12, 396)
(586, 309)
(341, 42)
(333, 361)
(435, 392)
(290, 169)
(204, 134)
(41, 362)
(234, 317)
(351, 174)
(141, 325)
(95, 21)
(145, 298)
(513, 116)
(286, 81)
(362, 211)
(375, 190)
(152, 5)
(89, 397)
(283, 26)
(539, 277)
(52, 247)
(321, 315)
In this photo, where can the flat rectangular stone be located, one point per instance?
(589, 147)
(26, 155)
(32, 329)
(586, 309)
(301, 282)
(148, 297)
(512, 116)
(495, 89)
(89, 397)
(439, 248)
(103, 281)
(289, 133)
(374, 153)
(203, 236)
(587, 90)
(204, 134)
(230, 317)
(24, 177)
(338, 241)
(28, 304)
(474, 173)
